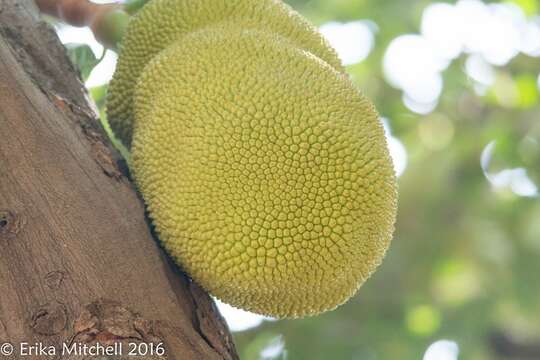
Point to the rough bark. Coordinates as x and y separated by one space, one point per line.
78 262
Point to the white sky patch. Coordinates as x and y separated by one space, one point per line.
353 41
442 350
515 179
79 35
492 34
413 65
437 19
497 31
419 107
479 70
274 349
240 320
530 37
398 153
490 30
103 72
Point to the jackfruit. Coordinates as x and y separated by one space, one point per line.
265 171
163 22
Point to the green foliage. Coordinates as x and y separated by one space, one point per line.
132 6
98 94
83 58
464 261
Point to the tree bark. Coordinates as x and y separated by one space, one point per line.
78 262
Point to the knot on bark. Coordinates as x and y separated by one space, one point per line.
54 279
10 223
107 321
49 319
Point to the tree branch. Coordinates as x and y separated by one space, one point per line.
77 260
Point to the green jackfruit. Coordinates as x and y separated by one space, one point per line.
265 171
163 22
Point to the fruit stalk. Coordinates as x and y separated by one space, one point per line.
107 21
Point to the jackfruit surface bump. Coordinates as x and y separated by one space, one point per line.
162 22
265 171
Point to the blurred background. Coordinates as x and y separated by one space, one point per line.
457 86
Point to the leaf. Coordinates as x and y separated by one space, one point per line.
132 6
98 94
82 56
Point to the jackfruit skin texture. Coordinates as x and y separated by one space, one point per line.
265 171
162 22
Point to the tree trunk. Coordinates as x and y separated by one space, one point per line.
78 262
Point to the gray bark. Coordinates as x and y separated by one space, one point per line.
78 262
